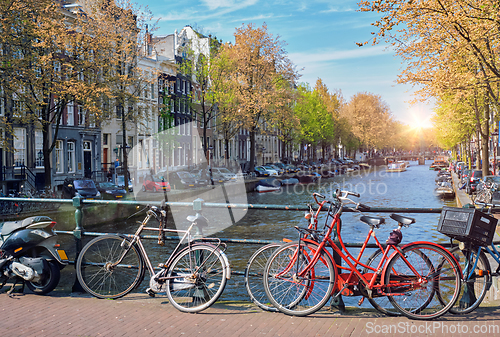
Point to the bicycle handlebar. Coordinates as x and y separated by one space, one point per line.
318 195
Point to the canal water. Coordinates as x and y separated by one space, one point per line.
413 188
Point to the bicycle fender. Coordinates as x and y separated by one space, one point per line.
416 243
446 250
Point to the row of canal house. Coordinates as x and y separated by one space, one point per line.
84 149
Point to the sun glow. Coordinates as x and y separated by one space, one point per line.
420 119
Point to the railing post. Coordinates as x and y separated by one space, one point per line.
197 207
78 233
199 292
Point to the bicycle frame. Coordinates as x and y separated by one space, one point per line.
136 240
354 277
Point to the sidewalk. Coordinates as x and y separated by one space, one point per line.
67 314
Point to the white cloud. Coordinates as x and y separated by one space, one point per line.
309 56
231 4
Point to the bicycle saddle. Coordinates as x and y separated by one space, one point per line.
372 220
404 220
199 219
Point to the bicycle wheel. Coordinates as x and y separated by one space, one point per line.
197 277
483 197
298 295
381 303
476 280
98 272
254 273
437 273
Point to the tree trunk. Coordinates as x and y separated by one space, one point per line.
226 156
485 136
252 151
124 152
46 156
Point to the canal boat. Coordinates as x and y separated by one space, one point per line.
445 190
268 185
396 167
263 189
439 163
290 181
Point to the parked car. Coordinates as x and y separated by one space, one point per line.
152 183
261 171
120 182
225 173
459 167
183 180
204 178
282 167
292 168
110 191
273 167
82 187
472 180
464 173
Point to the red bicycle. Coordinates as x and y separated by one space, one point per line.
421 279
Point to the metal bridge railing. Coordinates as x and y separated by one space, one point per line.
197 205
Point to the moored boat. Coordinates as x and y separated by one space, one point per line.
445 191
396 167
263 189
290 181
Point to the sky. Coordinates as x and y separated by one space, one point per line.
321 38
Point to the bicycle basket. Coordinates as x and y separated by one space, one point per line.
467 225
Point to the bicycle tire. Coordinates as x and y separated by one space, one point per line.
288 293
193 289
254 273
483 197
96 274
442 277
381 303
475 285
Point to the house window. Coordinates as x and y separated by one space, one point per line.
19 146
71 157
152 91
81 115
59 156
70 114
39 149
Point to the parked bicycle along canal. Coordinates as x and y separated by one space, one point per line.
413 188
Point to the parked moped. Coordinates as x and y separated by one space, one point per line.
29 252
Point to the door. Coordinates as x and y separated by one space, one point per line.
87 159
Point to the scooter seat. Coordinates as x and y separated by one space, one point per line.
10 226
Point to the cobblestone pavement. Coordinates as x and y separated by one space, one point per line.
65 314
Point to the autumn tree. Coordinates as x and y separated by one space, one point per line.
259 66
123 28
50 64
199 65
55 55
369 118
447 45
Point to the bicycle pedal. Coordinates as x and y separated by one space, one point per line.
361 301
150 292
